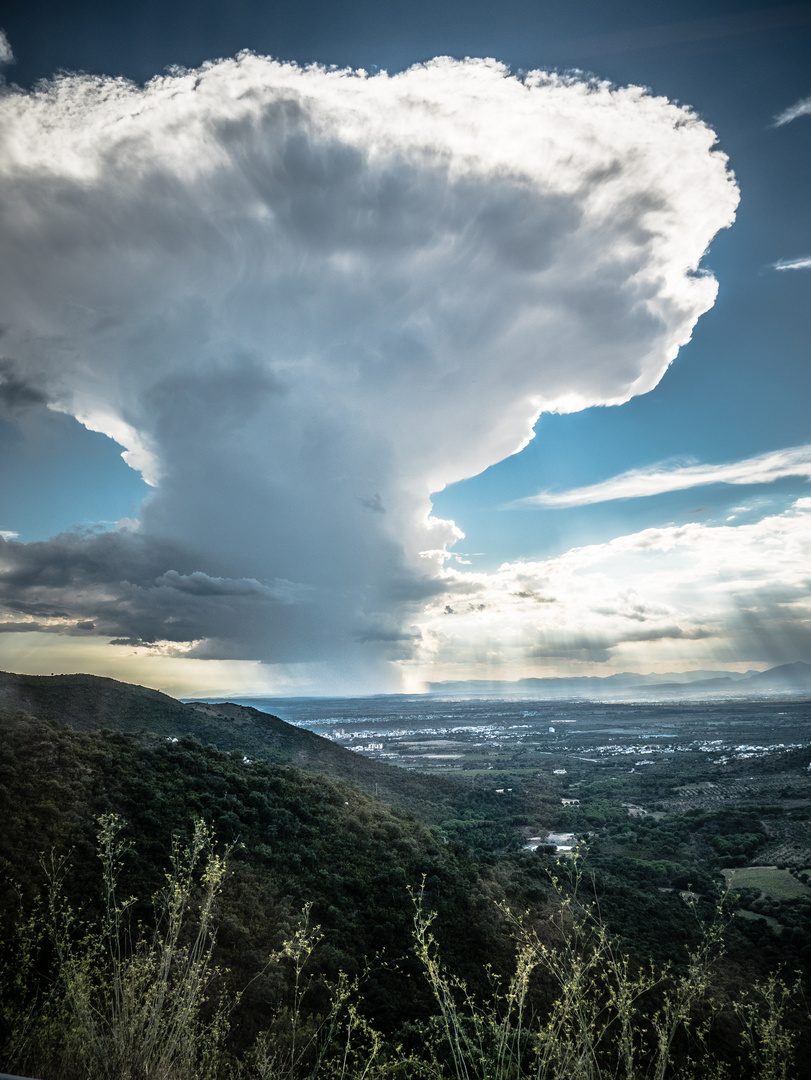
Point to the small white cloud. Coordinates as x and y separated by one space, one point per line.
637 483
803 263
799 108
8 535
6 55
127 524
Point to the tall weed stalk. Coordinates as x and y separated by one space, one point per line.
135 1001
601 1015
21 996
335 1045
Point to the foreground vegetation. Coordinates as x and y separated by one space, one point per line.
112 997
326 933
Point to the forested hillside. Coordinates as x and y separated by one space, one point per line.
89 703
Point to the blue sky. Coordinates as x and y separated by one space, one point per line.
278 548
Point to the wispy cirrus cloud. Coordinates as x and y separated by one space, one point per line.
799 108
803 263
6 55
657 480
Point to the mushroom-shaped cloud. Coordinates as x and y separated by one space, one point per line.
302 299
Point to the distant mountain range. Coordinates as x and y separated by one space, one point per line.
786 679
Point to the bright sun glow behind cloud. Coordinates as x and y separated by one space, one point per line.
690 596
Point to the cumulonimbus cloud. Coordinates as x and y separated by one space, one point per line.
638 483
302 299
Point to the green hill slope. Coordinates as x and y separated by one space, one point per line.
90 702
296 838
